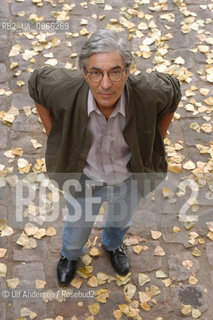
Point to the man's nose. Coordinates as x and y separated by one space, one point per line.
106 83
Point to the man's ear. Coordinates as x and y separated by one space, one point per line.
84 74
127 73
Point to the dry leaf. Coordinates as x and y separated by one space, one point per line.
2 252
160 274
94 252
144 296
102 295
209 100
7 232
167 282
50 232
117 314
179 60
36 144
17 152
193 280
25 312
210 235
130 290
93 282
189 165
94 308
51 62
83 22
104 278
40 233
85 272
76 282
176 229
121 280
135 239
159 251
196 252
40 284
174 167
124 308
137 249
84 32
143 279
23 165
187 264
30 229
204 91
3 270
196 313
155 234
86 259
14 65
186 309
20 83
145 306
27 243
167 193
206 127
15 50
12 283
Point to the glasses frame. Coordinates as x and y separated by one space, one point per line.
102 73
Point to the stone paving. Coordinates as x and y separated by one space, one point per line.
185 250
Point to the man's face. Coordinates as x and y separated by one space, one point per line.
106 92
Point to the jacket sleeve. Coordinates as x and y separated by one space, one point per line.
169 94
39 86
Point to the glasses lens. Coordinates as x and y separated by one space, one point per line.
115 75
95 76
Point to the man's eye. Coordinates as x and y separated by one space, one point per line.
95 73
116 72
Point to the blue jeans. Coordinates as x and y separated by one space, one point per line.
82 211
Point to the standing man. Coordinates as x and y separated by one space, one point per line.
107 127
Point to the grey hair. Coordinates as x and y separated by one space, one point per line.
105 41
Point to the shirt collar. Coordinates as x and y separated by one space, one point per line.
120 107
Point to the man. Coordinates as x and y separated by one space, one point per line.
108 126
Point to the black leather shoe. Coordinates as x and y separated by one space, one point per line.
120 260
65 271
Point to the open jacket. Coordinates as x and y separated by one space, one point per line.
150 96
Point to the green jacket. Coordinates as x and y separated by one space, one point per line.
150 96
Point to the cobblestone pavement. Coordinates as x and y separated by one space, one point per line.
168 36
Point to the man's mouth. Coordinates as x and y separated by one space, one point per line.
106 95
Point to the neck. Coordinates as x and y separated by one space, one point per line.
107 111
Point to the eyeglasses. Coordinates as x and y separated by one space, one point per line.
97 76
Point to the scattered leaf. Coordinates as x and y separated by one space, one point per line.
130 290
12 283
3 270
160 274
186 309
76 282
86 259
40 284
50 232
93 282
156 234
143 279
2 252
94 252
137 249
196 313
159 251
94 308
